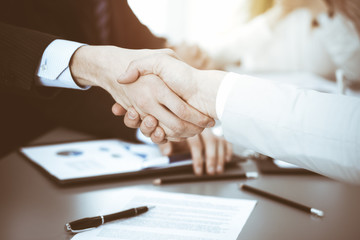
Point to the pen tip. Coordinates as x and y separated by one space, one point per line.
150 207
157 181
252 175
317 212
241 185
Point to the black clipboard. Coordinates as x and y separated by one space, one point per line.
267 166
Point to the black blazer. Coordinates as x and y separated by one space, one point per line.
42 21
26 29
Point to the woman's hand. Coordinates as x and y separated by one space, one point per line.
207 150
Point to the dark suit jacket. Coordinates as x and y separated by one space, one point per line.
26 29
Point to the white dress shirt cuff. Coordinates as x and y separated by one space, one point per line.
223 92
54 68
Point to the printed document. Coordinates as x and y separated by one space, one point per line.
96 158
176 216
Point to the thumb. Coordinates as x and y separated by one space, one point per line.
136 69
129 76
148 65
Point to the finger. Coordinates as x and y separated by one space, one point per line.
118 110
196 149
184 111
174 127
148 125
167 130
210 144
132 118
166 148
221 151
158 136
229 151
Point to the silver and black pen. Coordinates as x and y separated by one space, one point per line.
282 200
93 222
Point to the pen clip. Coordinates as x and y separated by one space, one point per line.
69 229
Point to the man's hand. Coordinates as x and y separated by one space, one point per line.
103 66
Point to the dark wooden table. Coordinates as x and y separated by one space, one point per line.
33 207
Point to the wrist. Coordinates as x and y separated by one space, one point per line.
79 64
208 83
98 65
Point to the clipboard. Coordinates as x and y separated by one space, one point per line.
270 166
105 159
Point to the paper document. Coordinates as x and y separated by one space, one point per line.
176 216
96 158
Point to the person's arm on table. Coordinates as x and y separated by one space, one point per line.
207 150
317 131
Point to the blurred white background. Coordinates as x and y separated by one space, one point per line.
193 21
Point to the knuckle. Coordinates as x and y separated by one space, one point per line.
151 78
147 134
210 156
169 51
210 141
143 102
198 162
197 146
132 63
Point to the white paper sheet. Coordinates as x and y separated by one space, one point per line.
95 158
175 216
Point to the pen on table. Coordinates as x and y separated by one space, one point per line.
247 175
299 206
93 222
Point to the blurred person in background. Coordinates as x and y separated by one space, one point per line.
317 36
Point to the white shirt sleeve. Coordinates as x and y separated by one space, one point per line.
54 68
313 130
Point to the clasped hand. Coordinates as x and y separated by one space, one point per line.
143 84
104 65
198 89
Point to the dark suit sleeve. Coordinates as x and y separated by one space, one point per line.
20 54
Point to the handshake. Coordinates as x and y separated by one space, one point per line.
158 93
